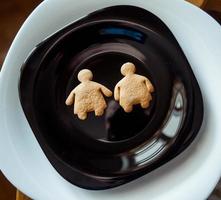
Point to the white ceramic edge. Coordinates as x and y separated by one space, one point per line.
22 149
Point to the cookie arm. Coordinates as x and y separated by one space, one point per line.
149 85
105 91
70 100
117 92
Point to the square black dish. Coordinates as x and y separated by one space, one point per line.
105 152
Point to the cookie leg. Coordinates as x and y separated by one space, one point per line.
82 115
144 104
127 107
99 111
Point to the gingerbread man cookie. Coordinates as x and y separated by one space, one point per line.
133 89
88 96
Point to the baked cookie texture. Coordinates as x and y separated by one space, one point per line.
133 89
88 96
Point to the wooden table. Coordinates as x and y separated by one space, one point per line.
211 5
21 196
199 3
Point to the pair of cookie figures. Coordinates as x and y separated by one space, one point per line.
131 90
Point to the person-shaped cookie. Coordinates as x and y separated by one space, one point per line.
88 96
133 89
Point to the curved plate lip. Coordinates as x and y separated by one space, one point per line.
29 159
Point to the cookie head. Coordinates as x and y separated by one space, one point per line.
85 75
128 68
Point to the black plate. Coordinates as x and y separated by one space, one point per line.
108 151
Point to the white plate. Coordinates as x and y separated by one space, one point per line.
192 175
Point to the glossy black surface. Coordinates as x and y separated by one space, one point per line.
108 151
